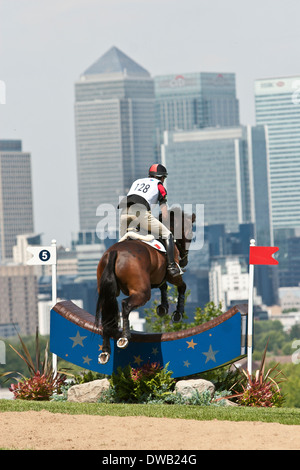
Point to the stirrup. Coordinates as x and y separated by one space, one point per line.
174 270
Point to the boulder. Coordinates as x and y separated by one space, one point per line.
186 388
89 392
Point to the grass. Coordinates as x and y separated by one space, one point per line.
231 413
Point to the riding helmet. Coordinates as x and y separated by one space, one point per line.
157 171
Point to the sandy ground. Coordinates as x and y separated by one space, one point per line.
48 431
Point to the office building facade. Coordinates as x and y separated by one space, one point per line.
277 105
196 100
226 170
18 300
115 131
16 206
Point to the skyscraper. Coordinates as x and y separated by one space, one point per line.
277 105
226 169
16 208
196 100
115 131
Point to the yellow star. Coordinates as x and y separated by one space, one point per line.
191 344
138 360
100 347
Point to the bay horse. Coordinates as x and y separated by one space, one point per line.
134 268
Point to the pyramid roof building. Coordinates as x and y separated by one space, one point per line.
115 61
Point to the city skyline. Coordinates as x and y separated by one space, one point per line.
43 56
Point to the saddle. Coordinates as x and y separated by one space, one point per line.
149 239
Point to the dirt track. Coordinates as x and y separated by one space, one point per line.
48 431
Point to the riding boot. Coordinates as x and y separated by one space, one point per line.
172 267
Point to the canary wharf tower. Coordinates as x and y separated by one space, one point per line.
114 125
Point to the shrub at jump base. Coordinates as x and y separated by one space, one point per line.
261 389
43 382
37 387
136 385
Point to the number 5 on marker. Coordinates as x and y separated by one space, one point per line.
42 255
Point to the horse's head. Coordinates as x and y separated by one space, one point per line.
181 225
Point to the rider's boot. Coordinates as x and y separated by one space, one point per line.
172 267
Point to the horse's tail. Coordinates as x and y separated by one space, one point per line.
107 304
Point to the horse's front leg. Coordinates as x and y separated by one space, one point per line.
178 313
163 308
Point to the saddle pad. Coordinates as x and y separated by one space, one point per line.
149 239
156 244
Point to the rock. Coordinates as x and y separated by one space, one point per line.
230 403
89 392
186 388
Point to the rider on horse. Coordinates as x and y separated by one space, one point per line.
144 193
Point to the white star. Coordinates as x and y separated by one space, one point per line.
210 354
77 339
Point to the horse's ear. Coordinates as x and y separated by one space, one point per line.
193 217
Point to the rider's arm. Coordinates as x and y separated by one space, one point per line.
162 198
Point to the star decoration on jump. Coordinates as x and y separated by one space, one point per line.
138 360
191 344
77 339
86 360
210 354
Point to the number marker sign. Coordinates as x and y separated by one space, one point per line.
42 255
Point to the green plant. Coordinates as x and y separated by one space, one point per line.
223 378
261 389
43 382
158 324
141 384
87 376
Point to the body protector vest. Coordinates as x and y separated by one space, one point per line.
147 189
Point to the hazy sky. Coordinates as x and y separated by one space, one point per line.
46 44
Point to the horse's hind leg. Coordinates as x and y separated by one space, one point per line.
133 301
104 356
110 329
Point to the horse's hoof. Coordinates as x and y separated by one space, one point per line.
103 358
176 316
161 311
122 343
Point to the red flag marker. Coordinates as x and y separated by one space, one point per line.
257 255
262 255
